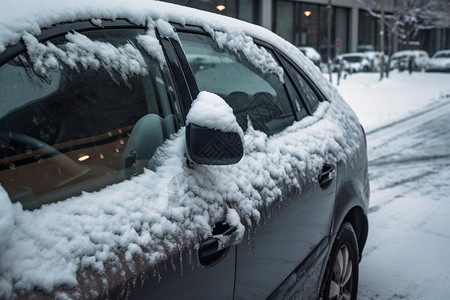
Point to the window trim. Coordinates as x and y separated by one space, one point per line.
193 83
305 77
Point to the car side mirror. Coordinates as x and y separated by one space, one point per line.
213 136
208 146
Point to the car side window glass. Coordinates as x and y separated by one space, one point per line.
305 90
296 99
81 128
253 95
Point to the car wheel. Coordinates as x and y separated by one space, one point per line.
341 274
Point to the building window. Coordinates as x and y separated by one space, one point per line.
305 24
285 20
368 29
241 9
341 30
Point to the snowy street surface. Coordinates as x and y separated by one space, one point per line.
407 117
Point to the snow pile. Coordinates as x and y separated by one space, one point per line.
240 43
211 111
6 220
150 42
149 216
80 50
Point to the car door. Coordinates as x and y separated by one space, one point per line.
74 125
286 246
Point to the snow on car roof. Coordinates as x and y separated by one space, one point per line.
147 215
21 17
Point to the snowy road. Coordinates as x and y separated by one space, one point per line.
407 255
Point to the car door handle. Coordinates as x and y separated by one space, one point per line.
215 248
327 176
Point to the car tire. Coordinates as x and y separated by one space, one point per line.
341 274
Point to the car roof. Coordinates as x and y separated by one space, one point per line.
354 54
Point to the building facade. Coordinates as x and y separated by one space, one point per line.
305 23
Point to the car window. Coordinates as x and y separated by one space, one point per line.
252 94
80 127
305 90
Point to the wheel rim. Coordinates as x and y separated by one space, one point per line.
341 281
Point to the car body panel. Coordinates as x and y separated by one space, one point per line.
400 59
439 62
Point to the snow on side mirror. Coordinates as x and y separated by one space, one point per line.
213 136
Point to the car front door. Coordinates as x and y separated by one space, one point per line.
286 242
68 127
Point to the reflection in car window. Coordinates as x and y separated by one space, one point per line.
252 95
79 129
305 90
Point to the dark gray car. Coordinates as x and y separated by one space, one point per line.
158 152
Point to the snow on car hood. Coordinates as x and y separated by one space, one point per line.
160 212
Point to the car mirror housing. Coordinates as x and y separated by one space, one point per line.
208 146
213 136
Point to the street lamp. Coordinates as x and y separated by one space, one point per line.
221 6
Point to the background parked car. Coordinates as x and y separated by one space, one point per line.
365 48
141 158
439 62
313 55
353 62
375 59
400 60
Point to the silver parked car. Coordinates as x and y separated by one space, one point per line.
401 60
313 55
153 151
353 62
439 62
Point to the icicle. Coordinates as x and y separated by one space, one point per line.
253 240
173 263
158 274
190 257
142 277
181 263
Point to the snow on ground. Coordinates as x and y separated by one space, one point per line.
406 117
380 102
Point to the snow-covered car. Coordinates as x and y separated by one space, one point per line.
312 54
418 58
154 151
354 62
375 59
440 61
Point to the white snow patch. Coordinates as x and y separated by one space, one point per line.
97 22
240 43
6 220
126 60
211 111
